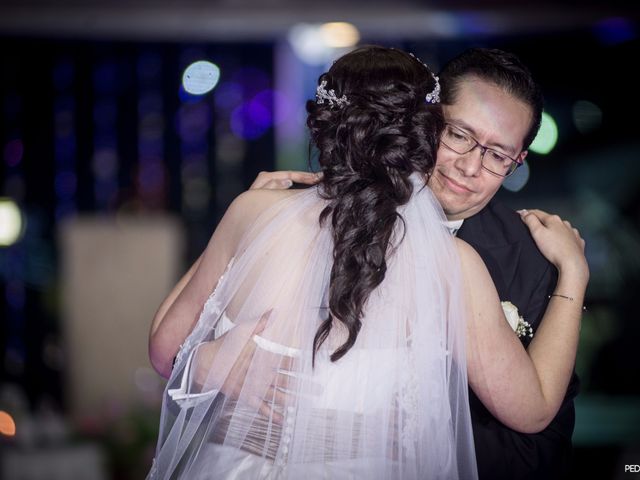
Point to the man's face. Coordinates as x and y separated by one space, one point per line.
495 119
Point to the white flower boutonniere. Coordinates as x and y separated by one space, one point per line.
517 323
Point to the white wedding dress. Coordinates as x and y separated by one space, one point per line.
244 400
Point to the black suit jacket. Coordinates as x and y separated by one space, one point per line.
525 278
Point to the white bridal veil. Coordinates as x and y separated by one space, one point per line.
243 400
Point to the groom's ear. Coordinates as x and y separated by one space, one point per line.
523 155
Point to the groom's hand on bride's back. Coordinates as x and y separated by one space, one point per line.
281 180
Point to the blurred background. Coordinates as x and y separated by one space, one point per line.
127 127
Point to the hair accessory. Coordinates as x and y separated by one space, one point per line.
434 95
322 94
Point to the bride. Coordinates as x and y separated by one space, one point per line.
333 332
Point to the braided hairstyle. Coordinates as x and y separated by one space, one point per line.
368 148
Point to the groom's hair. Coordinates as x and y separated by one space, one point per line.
501 68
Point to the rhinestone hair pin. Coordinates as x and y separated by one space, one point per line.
434 95
322 94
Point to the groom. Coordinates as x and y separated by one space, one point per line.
490 100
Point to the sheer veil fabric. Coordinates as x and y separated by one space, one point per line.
243 400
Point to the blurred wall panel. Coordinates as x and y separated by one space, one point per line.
115 273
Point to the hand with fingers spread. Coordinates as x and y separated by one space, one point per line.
281 180
558 241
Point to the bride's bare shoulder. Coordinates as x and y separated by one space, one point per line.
250 204
473 268
261 195
469 258
260 199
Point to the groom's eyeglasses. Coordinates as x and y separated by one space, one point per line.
493 161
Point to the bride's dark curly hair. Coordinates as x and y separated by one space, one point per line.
368 148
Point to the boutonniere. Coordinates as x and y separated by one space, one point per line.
519 325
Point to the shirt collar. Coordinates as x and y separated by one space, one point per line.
453 225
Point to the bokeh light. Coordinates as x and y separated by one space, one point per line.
250 120
7 425
200 77
614 30
587 116
518 179
229 95
308 43
339 34
11 225
547 135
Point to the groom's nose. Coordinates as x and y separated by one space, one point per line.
470 163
